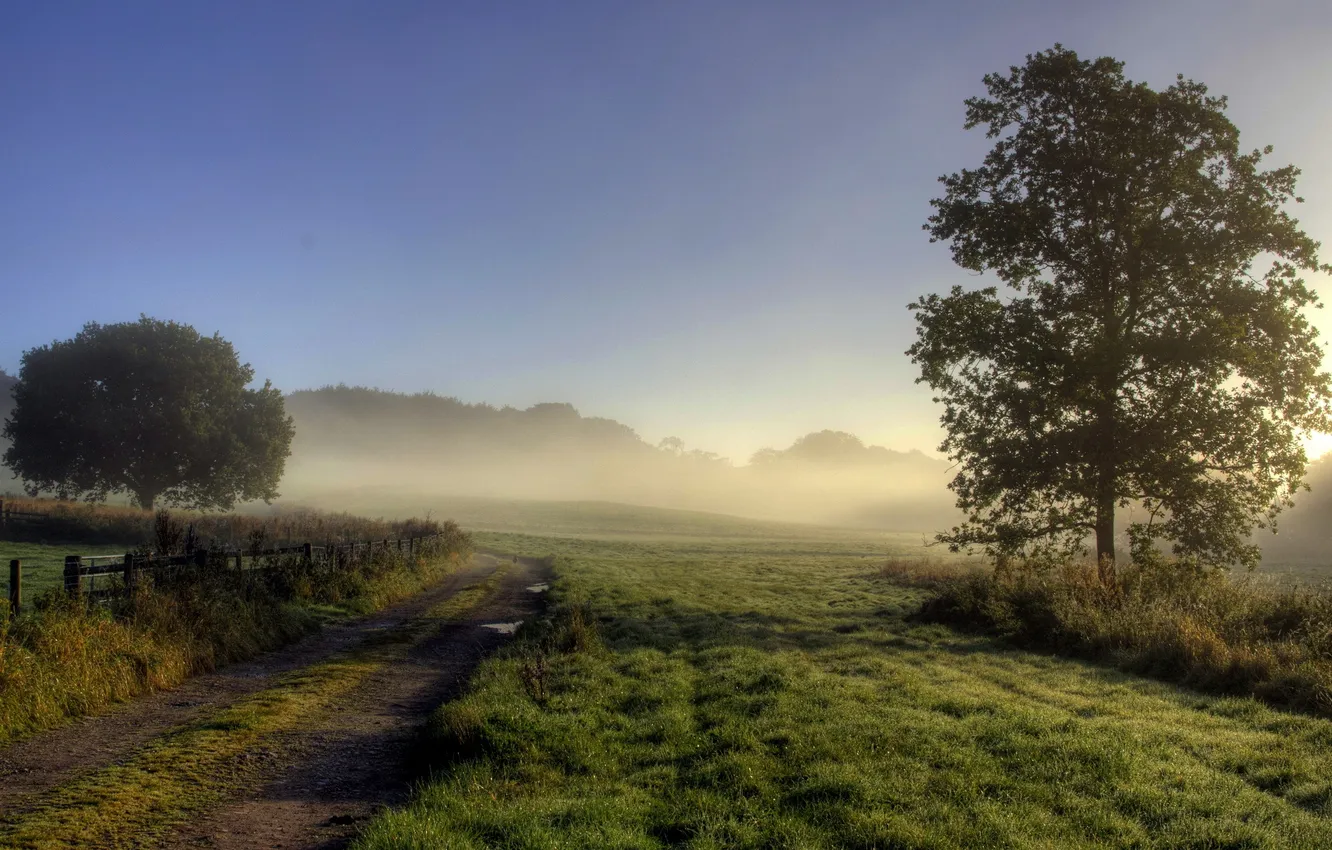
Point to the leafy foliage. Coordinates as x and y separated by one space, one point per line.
1154 354
149 408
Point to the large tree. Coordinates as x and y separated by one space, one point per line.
149 408
1151 349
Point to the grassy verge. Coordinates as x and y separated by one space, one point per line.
70 658
192 769
1244 635
725 699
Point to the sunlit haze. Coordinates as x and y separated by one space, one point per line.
700 219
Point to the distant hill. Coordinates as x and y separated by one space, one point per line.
359 438
838 449
379 422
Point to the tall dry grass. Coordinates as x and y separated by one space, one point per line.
925 571
1208 629
81 522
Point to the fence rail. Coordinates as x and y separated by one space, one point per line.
81 572
10 515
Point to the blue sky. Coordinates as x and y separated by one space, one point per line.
699 218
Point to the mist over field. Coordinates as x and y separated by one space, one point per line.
352 443
392 453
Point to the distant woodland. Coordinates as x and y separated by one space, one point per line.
354 437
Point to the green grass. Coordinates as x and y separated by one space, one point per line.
44 563
750 693
1240 635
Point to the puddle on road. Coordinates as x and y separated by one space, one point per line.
538 588
504 628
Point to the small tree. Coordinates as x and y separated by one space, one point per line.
149 408
1154 352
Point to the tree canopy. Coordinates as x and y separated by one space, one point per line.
1151 351
149 408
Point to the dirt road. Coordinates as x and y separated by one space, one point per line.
310 786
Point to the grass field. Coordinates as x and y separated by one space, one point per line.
758 692
592 520
44 563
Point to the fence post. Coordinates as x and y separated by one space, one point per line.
74 574
308 553
201 557
15 587
2 512
131 576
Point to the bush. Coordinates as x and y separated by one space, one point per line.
1171 619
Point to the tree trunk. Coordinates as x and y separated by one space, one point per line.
1105 534
146 496
1106 490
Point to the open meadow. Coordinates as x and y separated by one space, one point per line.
746 691
704 681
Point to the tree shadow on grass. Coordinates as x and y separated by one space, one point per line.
697 629
908 640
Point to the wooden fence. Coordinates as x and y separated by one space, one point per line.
10 516
82 572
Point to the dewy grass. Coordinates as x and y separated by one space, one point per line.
732 699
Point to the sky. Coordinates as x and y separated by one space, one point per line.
699 217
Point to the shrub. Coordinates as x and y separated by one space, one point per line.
1170 619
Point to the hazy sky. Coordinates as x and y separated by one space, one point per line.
699 218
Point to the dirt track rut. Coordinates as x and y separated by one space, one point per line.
344 766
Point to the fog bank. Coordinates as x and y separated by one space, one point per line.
354 439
